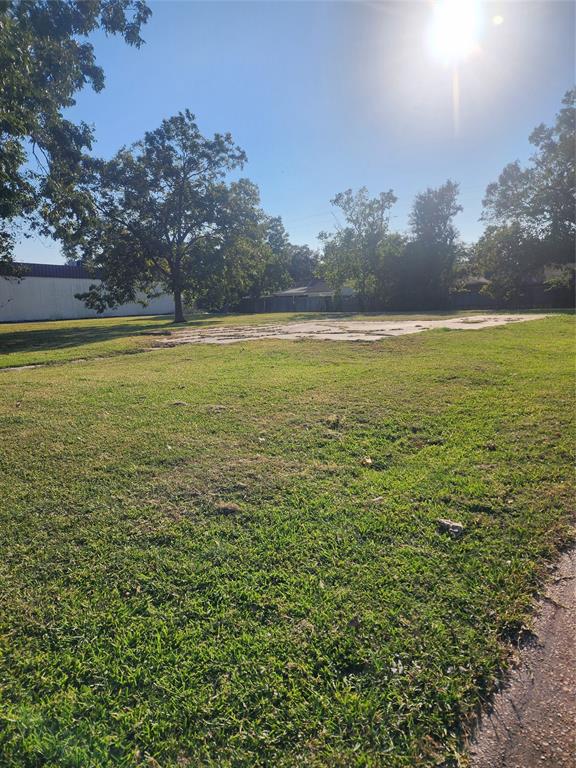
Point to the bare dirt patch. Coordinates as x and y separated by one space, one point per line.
532 721
336 330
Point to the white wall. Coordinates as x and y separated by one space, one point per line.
52 298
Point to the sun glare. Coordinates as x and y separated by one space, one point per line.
455 29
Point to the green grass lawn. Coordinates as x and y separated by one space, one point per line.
200 568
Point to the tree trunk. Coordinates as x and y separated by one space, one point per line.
177 290
178 309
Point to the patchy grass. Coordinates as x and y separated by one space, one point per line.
200 568
64 340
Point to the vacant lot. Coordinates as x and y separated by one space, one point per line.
228 555
60 341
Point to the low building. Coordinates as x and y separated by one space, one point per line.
316 296
48 292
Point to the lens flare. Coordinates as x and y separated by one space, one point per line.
454 36
455 30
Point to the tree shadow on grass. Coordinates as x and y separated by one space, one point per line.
55 337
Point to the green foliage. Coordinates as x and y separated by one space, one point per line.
159 216
275 276
532 212
44 61
303 264
289 264
532 227
234 258
428 266
325 622
541 197
507 254
390 270
433 212
351 254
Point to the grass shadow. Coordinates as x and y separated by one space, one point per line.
64 336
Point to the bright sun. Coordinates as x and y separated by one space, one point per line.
455 29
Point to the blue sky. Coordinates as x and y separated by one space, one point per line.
326 96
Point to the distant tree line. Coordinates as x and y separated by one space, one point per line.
530 234
161 214
390 269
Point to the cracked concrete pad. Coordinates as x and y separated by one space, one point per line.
335 330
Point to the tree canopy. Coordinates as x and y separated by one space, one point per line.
541 197
433 248
162 215
391 269
44 60
529 240
531 213
351 254
159 214
289 264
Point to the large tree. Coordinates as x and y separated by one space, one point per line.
303 263
160 216
236 259
531 216
428 264
44 60
541 197
389 269
507 254
351 254
275 275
